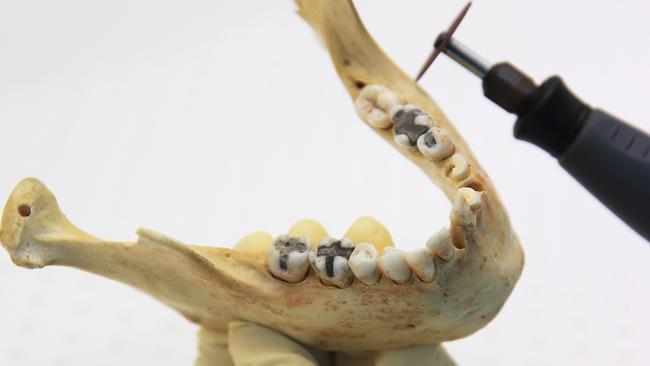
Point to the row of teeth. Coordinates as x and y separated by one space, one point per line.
338 262
413 128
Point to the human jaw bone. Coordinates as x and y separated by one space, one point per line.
214 286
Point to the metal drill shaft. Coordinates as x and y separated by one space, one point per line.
463 55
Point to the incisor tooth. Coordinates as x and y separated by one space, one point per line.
374 103
288 258
439 244
436 144
421 264
393 265
330 261
363 263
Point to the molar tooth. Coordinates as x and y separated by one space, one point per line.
363 263
435 144
288 258
460 168
421 264
410 122
393 265
330 261
374 103
440 244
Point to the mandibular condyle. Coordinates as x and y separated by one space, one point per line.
338 293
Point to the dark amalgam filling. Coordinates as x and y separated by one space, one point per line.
330 253
429 139
286 247
404 124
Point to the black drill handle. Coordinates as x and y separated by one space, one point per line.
612 160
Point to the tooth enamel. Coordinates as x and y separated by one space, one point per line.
363 263
466 203
439 244
460 168
409 123
330 261
393 265
374 103
421 264
435 144
288 258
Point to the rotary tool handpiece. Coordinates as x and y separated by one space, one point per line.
609 157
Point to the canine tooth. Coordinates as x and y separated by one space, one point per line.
409 123
363 263
288 258
467 203
421 264
435 144
393 265
374 103
440 244
460 168
330 261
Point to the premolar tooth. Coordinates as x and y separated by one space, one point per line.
464 212
330 261
394 266
363 263
421 264
288 258
374 103
410 122
460 168
439 244
436 144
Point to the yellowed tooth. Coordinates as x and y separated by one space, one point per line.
363 263
393 265
436 144
460 168
310 228
330 261
421 264
255 243
439 244
288 258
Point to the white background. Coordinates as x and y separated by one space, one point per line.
207 120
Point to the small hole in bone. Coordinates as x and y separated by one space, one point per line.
359 84
478 187
24 210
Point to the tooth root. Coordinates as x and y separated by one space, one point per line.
288 258
421 263
460 168
436 144
363 263
330 261
439 244
464 211
374 104
394 266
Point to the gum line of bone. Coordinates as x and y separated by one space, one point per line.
413 129
289 259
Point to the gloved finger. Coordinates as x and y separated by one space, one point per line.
368 230
254 243
310 228
213 348
427 355
255 345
